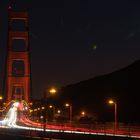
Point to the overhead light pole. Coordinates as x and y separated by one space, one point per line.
52 91
70 113
1 98
115 113
53 107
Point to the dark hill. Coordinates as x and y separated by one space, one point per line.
123 85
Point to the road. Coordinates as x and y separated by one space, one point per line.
11 121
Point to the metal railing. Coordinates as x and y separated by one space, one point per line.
124 130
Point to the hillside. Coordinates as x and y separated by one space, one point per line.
123 85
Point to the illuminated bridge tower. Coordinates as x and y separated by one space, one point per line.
18 60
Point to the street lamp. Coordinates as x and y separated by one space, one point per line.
52 107
115 113
1 97
58 111
42 107
70 107
52 91
83 113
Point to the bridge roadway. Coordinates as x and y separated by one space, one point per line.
28 127
15 134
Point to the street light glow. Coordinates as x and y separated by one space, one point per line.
111 102
52 91
50 106
42 107
58 111
83 113
31 103
1 97
67 105
31 110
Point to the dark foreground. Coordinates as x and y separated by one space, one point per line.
61 136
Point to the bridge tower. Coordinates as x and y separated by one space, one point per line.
18 59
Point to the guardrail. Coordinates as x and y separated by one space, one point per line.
107 129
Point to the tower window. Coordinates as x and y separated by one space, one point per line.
18 25
18 68
18 45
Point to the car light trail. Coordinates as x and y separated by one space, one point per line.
10 121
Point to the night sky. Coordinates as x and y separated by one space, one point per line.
72 41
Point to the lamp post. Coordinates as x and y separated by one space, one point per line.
115 113
52 91
52 107
70 107
1 98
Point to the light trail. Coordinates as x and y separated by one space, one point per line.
11 116
10 121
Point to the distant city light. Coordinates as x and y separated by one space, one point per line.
35 109
58 111
42 107
50 106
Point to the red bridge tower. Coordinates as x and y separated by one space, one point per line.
18 60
